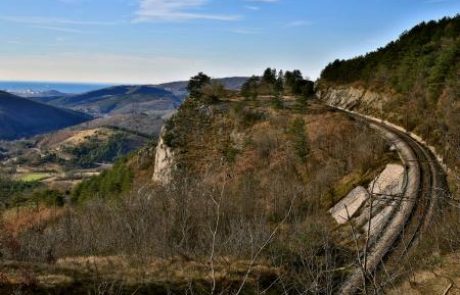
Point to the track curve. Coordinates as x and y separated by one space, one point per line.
426 181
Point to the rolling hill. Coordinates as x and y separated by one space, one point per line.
126 99
120 100
21 117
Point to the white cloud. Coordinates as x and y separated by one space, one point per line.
177 10
59 29
52 21
297 23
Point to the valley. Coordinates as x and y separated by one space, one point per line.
118 120
62 159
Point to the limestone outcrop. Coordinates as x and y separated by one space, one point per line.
386 189
353 98
164 162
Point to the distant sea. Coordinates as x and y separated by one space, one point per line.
45 86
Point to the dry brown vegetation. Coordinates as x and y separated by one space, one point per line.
244 214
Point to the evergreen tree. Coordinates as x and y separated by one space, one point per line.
279 84
300 139
269 76
249 90
196 84
294 81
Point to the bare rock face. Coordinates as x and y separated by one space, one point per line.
342 97
386 189
164 162
390 183
379 221
353 98
349 205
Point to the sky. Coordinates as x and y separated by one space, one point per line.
152 41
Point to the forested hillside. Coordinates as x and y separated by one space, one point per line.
21 117
413 81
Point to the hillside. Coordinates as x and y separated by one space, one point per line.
63 159
247 178
21 117
120 100
413 82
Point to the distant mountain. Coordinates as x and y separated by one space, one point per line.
30 93
22 117
41 96
126 99
179 88
120 100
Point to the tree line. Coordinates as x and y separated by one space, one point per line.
272 82
278 83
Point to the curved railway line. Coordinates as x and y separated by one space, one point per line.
415 209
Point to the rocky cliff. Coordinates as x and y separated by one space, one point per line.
354 98
374 106
164 162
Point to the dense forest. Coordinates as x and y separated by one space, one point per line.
420 72
427 55
278 84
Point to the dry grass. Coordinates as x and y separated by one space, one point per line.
72 137
435 281
80 137
131 272
18 220
161 270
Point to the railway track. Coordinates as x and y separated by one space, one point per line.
426 182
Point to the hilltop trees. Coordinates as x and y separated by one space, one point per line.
250 89
272 83
293 81
212 92
197 83
278 84
205 90
269 76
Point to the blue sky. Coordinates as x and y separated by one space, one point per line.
150 41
